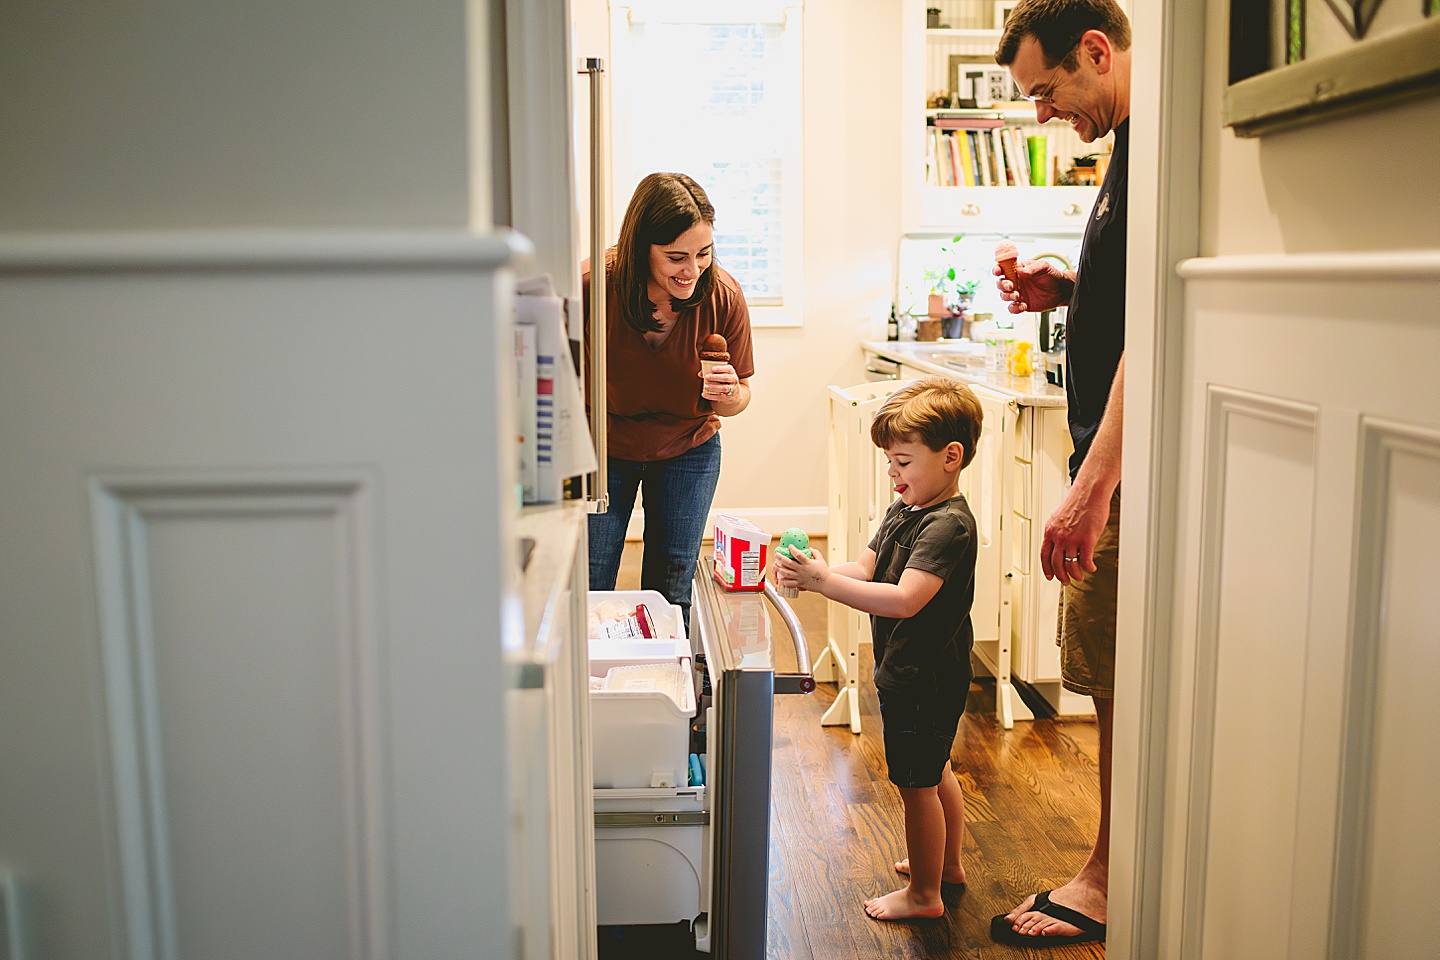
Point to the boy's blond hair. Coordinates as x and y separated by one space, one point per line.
935 411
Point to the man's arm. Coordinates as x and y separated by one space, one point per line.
1076 524
1040 285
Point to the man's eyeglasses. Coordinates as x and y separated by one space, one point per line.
1047 93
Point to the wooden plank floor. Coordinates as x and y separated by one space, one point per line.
1032 804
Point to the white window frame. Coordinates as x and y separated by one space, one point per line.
788 312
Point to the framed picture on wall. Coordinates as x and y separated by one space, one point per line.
1297 62
1002 12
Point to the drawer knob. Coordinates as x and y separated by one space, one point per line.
1072 210
970 210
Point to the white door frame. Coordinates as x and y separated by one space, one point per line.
1166 102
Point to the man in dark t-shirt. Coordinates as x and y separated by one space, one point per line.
1072 59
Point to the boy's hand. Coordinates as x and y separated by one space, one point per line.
806 572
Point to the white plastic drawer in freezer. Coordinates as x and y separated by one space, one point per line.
649 855
641 737
608 653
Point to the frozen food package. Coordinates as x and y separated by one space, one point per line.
612 621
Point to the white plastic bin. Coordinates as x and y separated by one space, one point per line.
641 738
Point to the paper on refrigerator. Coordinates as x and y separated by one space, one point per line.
562 438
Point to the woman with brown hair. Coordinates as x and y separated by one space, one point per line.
665 297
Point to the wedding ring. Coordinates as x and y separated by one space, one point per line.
1072 559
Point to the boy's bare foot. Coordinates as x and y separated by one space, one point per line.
955 874
901 906
1078 895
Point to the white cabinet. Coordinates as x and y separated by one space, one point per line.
260 574
1007 209
929 58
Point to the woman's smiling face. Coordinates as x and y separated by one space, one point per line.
675 266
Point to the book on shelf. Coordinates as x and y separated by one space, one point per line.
987 161
989 157
968 120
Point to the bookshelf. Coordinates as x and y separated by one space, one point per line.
936 198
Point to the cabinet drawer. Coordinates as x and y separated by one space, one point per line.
1021 549
1001 208
1021 497
1024 434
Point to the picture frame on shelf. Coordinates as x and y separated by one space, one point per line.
1002 12
975 80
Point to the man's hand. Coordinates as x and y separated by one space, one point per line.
1068 550
1040 285
806 572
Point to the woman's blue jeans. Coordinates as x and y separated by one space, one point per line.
676 496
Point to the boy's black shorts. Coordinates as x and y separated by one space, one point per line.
919 731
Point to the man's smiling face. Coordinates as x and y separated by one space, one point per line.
1079 96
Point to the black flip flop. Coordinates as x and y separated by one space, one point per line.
1091 931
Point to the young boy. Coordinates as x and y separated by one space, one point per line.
916 579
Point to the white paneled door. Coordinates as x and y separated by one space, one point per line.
1305 616
253 563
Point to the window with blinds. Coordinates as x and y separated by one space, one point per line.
715 93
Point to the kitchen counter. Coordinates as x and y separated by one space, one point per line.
965 361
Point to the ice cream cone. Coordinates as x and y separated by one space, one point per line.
1007 256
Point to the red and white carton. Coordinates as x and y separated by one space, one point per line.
742 554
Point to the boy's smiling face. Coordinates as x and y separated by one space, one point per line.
921 476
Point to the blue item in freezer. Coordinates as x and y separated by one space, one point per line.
697 771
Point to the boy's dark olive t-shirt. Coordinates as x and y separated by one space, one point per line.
928 653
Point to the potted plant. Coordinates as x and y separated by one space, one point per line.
950 294
947 290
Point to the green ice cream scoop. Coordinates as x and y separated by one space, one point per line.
794 537
790 541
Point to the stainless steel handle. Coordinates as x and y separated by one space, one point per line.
803 680
599 404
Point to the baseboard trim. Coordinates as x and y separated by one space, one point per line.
815 521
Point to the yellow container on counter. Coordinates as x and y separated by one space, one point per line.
1019 361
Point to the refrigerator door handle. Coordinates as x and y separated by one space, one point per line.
803 680
599 481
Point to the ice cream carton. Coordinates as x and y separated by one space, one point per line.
742 554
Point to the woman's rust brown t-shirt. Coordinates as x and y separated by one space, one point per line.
656 411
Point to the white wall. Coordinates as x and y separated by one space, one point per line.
173 113
1360 183
774 461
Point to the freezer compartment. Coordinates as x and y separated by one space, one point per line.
642 700
650 860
